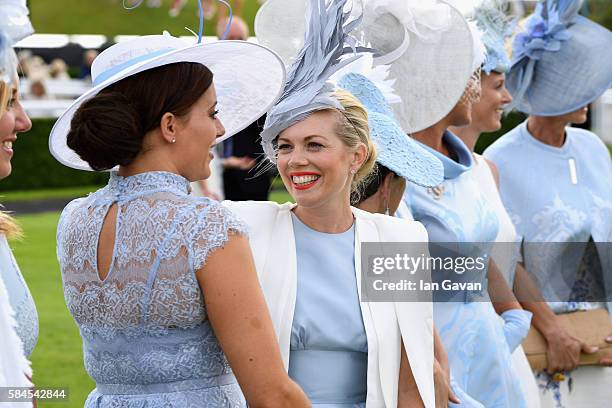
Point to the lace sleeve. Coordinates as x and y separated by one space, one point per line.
214 225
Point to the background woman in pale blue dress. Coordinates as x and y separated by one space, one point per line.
160 283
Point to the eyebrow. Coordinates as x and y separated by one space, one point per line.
307 138
213 105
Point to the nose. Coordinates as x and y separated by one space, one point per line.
22 121
297 158
220 128
507 98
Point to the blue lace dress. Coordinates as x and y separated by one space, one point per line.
147 341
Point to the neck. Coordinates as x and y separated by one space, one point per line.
146 162
548 130
468 134
372 205
432 137
330 218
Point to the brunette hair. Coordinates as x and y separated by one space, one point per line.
108 130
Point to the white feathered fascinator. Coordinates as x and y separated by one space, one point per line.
328 47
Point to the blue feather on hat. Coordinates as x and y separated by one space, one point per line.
327 46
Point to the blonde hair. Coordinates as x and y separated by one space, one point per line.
353 129
9 227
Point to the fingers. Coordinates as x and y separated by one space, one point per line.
588 349
452 397
606 361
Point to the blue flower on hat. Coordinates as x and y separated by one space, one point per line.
546 30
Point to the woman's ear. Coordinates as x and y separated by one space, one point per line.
360 156
168 126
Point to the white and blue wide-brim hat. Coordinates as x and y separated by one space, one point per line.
561 63
396 151
248 79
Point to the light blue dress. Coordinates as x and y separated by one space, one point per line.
329 351
561 196
147 340
470 330
19 297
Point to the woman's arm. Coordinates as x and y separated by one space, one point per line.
563 351
444 392
407 391
239 316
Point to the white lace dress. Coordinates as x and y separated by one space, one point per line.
147 341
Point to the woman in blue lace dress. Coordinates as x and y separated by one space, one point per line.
162 284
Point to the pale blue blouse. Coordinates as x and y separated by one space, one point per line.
329 352
19 297
147 339
471 331
558 200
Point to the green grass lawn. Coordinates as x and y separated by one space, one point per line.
108 17
58 358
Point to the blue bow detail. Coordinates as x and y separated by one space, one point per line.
543 34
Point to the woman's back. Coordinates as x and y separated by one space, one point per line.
144 325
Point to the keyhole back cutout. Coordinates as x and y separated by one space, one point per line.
106 242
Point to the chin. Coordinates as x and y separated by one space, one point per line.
5 169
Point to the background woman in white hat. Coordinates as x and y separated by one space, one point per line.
160 283
433 75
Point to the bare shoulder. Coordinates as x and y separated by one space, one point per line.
494 171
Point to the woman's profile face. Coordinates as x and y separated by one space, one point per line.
13 121
198 131
313 162
487 113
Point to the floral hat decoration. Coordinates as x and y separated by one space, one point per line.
561 62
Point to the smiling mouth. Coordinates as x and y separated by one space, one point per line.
304 181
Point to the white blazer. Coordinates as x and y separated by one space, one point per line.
272 241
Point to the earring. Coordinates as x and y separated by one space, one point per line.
173 140
353 171
386 207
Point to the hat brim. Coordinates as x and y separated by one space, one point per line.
430 77
248 79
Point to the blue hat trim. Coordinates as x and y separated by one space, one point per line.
396 150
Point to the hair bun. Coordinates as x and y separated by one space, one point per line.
106 132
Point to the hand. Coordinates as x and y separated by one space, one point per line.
607 361
444 392
241 163
516 326
563 352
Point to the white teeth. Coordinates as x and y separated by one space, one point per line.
304 179
7 144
